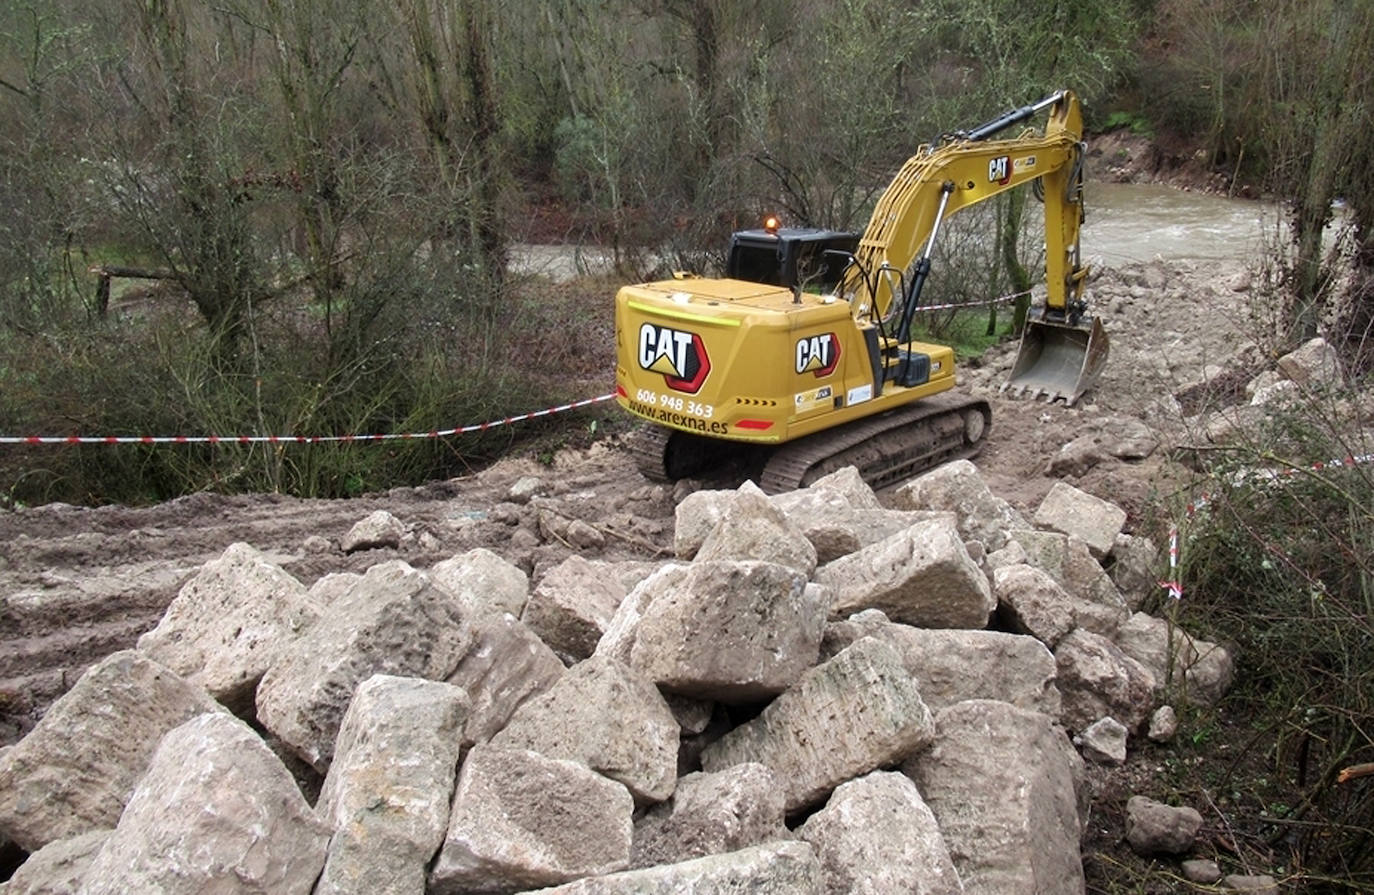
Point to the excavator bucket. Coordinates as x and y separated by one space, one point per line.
1058 360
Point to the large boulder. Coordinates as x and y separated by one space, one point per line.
1313 363
57 868
876 836
853 714
1031 602
387 793
521 819
921 576
571 606
229 623
1070 511
1003 784
216 812
711 814
959 488
697 516
608 717
1199 671
394 621
505 666
752 528
1098 680
731 631
77 768
1069 562
483 582
951 666
775 868
1134 568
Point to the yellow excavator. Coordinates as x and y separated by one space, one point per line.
805 345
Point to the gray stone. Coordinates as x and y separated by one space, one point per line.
1122 438
1096 679
752 528
777 868
505 666
1073 512
1134 568
951 666
856 713
692 715
1003 784
618 639
77 768
521 819
217 811
1033 603
1104 742
1009 555
572 605
1163 725
1313 363
607 716
1262 381
847 484
393 621
387 793
711 814
1284 392
1153 828
1259 884
379 529
229 623
876 836
483 582
727 631
959 488
1200 672
921 576
330 587
57 868
585 536
695 517
1198 870
526 488
1069 562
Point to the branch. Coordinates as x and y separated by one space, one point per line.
19 90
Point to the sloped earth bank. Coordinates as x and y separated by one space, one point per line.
80 584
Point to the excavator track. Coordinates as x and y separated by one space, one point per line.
886 448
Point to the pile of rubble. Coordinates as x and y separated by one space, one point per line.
821 694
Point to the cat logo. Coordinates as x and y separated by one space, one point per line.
999 170
680 356
818 354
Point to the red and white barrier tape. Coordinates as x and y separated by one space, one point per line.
292 439
973 304
1174 585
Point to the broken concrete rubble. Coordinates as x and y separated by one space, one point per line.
75 771
393 621
876 835
726 631
711 814
921 576
1003 784
229 623
857 712
608 717
386 797
216 811
521 819
571 606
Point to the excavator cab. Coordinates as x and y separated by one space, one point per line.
804 257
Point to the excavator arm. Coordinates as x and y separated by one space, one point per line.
967 169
